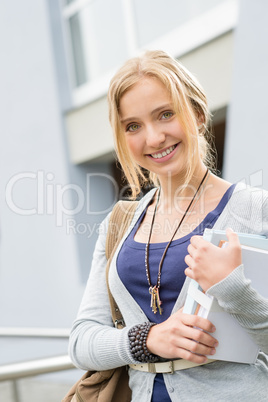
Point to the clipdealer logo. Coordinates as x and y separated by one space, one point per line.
66 202
50 198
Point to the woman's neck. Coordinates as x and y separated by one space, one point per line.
174 188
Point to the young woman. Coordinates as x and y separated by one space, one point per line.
160 119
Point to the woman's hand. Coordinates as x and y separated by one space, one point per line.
209 264
177 337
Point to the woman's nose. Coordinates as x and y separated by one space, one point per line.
154 137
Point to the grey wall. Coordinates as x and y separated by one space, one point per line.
247 129
40 260
36 254
94 179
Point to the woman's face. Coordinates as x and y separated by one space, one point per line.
154 135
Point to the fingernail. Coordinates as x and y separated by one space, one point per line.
213 351
213 329
216 344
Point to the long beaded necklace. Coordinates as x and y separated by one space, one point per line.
154 290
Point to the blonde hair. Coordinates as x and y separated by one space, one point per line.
189 102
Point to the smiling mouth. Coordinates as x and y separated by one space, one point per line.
159 155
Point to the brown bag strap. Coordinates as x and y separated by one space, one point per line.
120 220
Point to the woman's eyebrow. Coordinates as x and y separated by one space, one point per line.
128 119
166 106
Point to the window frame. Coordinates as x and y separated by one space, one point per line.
218 21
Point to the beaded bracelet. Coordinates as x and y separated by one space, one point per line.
137 338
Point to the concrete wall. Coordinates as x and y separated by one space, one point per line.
212 64
41 275
247 132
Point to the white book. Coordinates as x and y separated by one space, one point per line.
234 342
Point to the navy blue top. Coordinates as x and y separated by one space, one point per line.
131 270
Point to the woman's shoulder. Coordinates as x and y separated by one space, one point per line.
242 191
124 212
249 194
139 204
247 209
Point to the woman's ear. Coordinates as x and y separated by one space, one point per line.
200 123
201 127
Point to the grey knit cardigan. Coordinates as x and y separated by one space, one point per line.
95 344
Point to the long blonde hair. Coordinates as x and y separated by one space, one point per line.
189 102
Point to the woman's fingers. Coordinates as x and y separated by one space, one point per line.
197 340
187 355
191 249
197 241
200 336
196 347
209 264
191 350
183 335
196 321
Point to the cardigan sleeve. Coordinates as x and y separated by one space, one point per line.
94 342
236 296
235 293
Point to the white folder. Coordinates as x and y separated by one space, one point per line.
234 342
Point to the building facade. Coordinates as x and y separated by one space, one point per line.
59 176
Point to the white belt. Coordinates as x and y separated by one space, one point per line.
167 367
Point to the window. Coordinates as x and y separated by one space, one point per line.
98 39
81 75
102 34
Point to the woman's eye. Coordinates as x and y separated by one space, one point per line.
167 115
132 127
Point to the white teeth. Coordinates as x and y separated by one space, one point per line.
164 153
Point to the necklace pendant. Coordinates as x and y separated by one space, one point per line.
158 301
153 297
155 300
